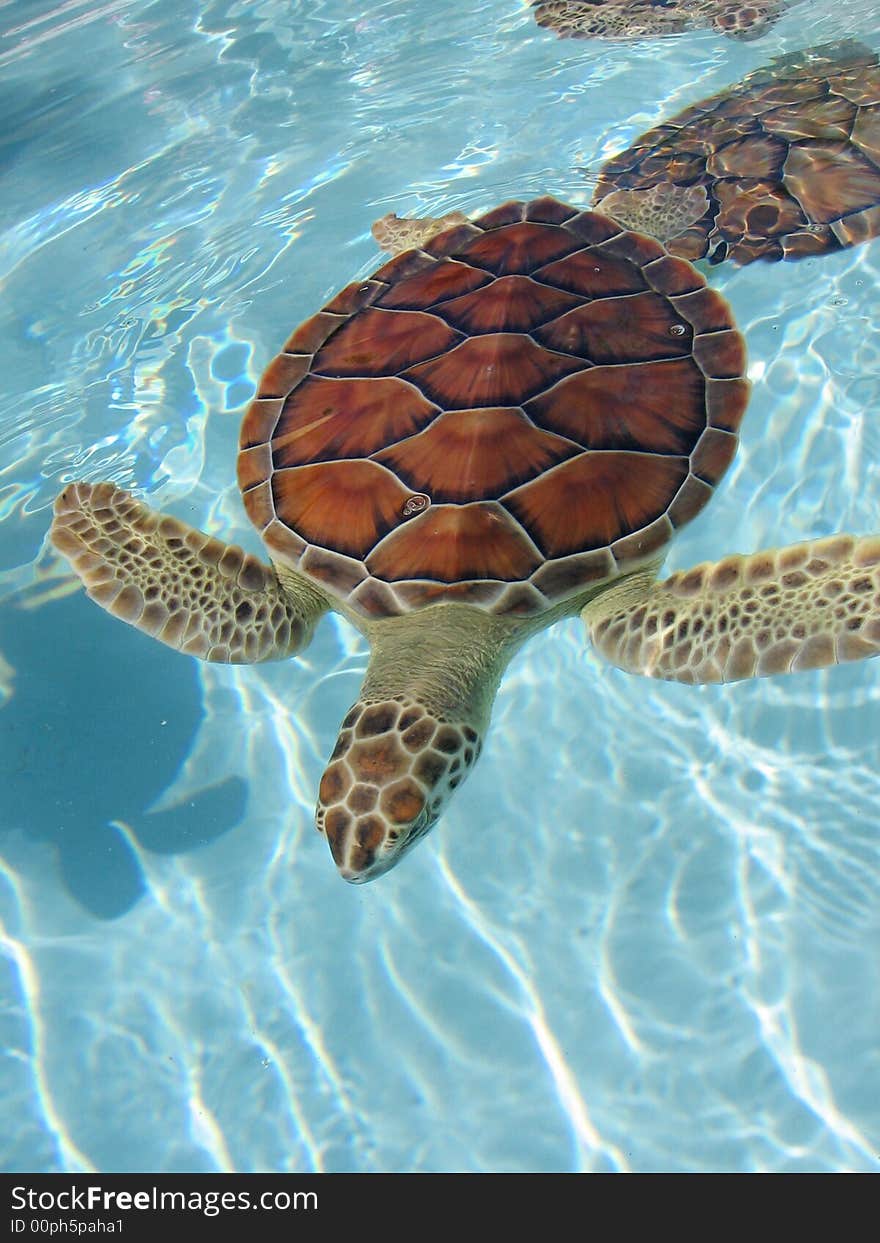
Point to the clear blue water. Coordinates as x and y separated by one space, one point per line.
645 935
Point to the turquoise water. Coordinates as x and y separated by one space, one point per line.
645 935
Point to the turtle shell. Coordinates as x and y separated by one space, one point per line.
640 19
531 403
789 159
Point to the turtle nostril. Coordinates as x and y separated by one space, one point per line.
353 876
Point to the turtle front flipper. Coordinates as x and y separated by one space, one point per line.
804 607
665 211
185 588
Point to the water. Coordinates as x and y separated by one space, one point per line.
643 936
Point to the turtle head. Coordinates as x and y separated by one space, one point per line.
394 766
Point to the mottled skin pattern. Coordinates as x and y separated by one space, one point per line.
788 158
804 607
647 19
396 233
393 767
192 592
664 211
437 660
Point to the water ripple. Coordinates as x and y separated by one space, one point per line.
621 948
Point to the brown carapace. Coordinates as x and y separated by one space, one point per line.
789 160
649 19
523 406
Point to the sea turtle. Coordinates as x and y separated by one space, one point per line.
498 430
645 19
784 164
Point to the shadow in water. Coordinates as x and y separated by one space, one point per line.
96 729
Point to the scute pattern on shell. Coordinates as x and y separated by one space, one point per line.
526 405
641 19
804 607
789 159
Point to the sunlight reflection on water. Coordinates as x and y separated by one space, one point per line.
624 945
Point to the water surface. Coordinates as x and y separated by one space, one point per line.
643 937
